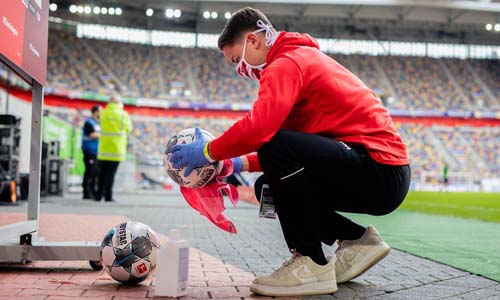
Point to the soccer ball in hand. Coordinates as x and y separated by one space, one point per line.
199 176
128 252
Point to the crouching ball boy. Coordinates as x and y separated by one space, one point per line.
325 144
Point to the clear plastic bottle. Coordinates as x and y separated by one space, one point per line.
172 266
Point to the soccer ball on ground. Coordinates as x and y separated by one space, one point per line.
199 176
128 252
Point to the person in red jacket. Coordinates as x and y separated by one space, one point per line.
325 144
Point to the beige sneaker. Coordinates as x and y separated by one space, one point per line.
357 256
299 276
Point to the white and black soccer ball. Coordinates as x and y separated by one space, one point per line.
128 252
199 176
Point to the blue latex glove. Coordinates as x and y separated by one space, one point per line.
190 155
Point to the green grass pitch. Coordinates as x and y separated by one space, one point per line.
480 206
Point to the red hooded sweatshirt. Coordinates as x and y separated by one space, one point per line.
303 89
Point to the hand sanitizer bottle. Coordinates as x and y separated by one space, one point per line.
172 266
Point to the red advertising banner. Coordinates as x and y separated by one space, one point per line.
24 28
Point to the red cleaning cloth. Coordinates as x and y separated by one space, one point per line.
208 199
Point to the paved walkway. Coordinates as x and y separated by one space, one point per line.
470 245
222 266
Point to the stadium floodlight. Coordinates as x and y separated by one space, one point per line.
72 8
104 10
227 15
206 14
53 7
214 15
118 11
111 11
96 10
87 10
79 9
169 13
489 27
497 27
177 13
149 12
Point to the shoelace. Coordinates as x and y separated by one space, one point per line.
295 256
339 248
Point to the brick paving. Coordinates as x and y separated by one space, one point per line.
222 266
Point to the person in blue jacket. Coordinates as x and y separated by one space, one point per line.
90 142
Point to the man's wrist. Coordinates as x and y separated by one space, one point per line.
237 164
206 152
245 165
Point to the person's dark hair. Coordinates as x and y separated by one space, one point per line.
95 109
242 20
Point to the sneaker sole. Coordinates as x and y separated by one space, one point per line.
315 288
367 265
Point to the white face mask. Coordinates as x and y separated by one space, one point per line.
247 70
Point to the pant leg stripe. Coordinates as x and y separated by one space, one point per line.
289 175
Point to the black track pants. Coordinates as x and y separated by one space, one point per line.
107 172
312 178
90 175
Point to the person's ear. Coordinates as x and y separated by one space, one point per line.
253 40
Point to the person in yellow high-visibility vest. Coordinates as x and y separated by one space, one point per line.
115 125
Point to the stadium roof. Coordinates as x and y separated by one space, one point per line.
411 20
475 5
